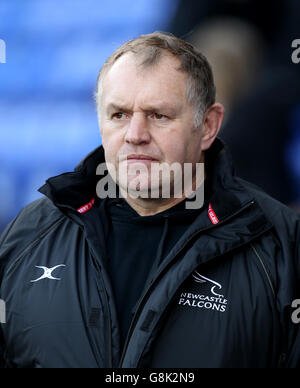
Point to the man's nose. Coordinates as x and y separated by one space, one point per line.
138 131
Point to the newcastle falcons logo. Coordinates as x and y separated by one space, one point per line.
201 301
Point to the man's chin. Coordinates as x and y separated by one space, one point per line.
140 191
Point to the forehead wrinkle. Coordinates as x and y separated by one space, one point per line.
146 107
161 106
141 91
129 61
116 106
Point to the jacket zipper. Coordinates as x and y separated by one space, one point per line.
264 269
145 295
109 325
98 267
107 307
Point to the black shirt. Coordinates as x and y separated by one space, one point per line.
135 246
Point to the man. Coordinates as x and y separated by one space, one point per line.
136 281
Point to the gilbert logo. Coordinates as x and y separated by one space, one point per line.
213 301
47 273
2 51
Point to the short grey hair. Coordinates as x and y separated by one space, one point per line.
201 90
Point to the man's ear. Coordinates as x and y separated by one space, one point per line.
212 124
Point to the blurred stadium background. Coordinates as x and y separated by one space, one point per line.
55 49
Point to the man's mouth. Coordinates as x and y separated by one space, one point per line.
136 158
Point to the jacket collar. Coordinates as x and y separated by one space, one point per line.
76 189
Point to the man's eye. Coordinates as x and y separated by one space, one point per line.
119 116
158 116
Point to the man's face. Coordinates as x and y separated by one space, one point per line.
144 114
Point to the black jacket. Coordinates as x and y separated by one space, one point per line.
221 298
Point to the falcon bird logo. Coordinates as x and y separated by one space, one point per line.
202 279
